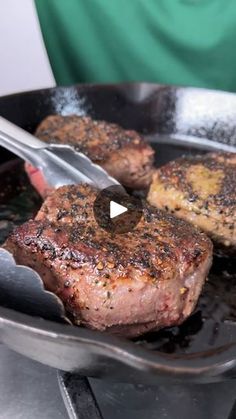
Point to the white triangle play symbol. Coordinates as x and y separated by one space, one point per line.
116 209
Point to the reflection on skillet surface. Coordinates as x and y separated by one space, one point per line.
18 199
217 304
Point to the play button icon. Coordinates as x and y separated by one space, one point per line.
116 211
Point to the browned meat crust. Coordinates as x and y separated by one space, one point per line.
202 190
123 153
128 284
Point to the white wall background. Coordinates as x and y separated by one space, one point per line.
24 63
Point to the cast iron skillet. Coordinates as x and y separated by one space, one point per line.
203 349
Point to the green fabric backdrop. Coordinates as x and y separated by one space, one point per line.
187 42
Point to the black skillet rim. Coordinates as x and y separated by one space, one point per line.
207 363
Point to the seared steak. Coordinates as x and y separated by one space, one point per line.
130 283
202 190
124 154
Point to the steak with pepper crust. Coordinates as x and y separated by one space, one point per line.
122 153
202 190
130 283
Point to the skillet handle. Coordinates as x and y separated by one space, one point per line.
78 396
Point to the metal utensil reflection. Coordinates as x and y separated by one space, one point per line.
21 289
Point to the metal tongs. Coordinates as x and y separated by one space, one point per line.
21 288
60 164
